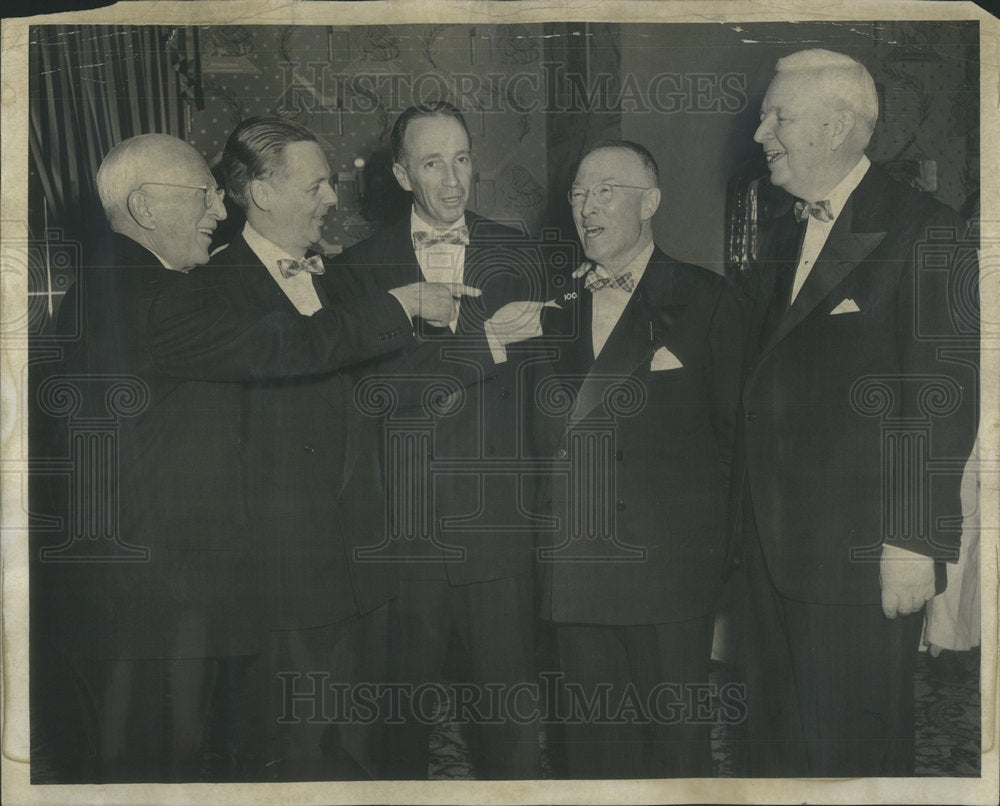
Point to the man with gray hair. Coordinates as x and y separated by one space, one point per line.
144 628
860 374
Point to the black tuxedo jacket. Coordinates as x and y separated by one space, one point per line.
642 457
833 399
313 481
480 502
180 493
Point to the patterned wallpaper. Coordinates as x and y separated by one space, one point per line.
929 105
349 84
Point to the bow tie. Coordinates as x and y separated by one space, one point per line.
598 278
821 211
457 236
311 265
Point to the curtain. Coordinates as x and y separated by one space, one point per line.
92 87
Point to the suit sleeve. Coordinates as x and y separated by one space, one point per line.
198 331
938 343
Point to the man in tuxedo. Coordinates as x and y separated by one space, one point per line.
150 619
466 568
313 488
147 613
639 417
860 393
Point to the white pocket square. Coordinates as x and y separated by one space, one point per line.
848 305
664 359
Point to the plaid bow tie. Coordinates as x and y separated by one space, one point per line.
311 265
821 211
422 238
599 278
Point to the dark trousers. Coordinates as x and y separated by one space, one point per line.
314 731
830 687
492 623
631 699
156 720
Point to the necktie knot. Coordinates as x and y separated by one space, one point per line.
457 236
821 210
310 265
599 278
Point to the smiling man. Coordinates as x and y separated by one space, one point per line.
862 290
141 629
468 578
650 349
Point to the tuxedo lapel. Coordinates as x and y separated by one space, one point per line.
647 318
845 248
259 285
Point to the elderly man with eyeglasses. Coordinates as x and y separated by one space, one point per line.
139 633
639 417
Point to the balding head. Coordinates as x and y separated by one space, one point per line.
149 189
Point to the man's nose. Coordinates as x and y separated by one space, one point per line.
330 195
590 205
218 207
450 176
763 131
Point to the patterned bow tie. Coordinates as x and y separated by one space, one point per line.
599 278
311 265
821 211
457 236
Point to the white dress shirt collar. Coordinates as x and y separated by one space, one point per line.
817 231
417 224
299 289
609 303
839 195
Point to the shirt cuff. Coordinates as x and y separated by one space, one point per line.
497 350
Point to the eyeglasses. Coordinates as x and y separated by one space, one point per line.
209 192
603 193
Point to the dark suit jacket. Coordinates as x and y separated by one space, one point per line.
480 513
656 475
180 492
828 397
313 478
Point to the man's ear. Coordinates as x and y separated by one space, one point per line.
401 176
138 208
259 193
650 203
843 124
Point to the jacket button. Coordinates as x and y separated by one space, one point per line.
619 455
562 453
308 448
620 505
751 416
504 394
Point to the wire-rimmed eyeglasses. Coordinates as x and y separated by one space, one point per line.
603 193
209 192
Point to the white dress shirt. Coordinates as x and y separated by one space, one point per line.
443 262
299 289
610 302
818 231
